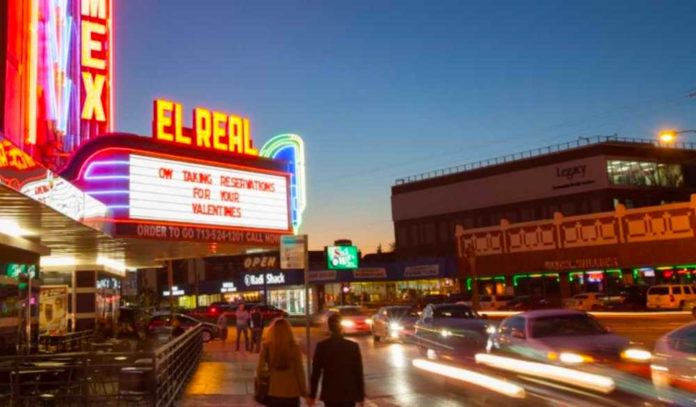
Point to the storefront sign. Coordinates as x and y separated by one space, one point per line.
108 283
173 232
322 275
261 262
342 257
258 279
370 273
177 191
228 287
175 292
211 130
429 270
593 262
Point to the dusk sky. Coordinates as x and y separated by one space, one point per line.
385 89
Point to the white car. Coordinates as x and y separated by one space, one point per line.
562 336
490 302
585 302
670 296
674 362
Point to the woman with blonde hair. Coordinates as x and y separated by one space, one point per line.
280 362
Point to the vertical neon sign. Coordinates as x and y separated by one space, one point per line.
290 148
95 63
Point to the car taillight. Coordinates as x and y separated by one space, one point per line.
671 298
213 310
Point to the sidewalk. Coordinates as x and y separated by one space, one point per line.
224 377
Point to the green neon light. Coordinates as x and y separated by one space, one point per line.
664 268
687 266
574 273
468 283
272 148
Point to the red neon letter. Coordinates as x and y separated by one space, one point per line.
234 131
219 119
178 126
248 143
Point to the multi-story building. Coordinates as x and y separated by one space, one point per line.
578 178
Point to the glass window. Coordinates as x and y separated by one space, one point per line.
676 290
645 173
455 312
658 291
565 325
684 340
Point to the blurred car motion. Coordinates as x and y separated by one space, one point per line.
355 320
562 336
674 359
269 312
527 303
490 302
394 322
454 330
161 323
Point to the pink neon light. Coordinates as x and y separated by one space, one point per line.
91 166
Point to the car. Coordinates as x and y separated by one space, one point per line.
355 320
562 336
269 312
586 302
450 330
691 306
161 323
490 302
526 303
630 298
674 360
669 296
394 322
432 299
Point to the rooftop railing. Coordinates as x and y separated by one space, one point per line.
580 142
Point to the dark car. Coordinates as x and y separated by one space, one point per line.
269 312
528 303
455 330
162 322
631 298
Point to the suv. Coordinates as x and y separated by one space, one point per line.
670 296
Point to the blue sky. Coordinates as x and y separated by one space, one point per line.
385 89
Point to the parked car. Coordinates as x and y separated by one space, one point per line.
394 322
586 302
630 298
355 319
431 299
269 312
526 303
454 330
674 361
691 306
670 296
490 302
162 322
562 336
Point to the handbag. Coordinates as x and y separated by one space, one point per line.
262 384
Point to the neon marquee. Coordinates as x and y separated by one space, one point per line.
212 130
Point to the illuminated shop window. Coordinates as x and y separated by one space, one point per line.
645 173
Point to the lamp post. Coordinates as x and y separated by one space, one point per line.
670 136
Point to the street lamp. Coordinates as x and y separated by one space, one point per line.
670 136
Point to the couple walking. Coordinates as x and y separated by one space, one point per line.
337 361
245 321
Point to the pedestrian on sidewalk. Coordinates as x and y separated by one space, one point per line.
339 361
222 327
281 360
256 329
242 317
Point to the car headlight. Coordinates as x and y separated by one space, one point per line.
395 326
368 321
445 333
637 355
490 329
574 358
347 323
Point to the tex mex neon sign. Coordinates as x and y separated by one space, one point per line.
212 130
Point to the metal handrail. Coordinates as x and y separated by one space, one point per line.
156 377
71 342
555 148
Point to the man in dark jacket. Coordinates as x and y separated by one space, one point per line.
339 361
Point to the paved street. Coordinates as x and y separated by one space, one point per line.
226 376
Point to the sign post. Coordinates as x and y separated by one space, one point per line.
294 254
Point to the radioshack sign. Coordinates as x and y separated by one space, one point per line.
258 279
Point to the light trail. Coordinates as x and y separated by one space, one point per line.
560 374
468 376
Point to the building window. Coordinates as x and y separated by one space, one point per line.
414 235
402 236
645 174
